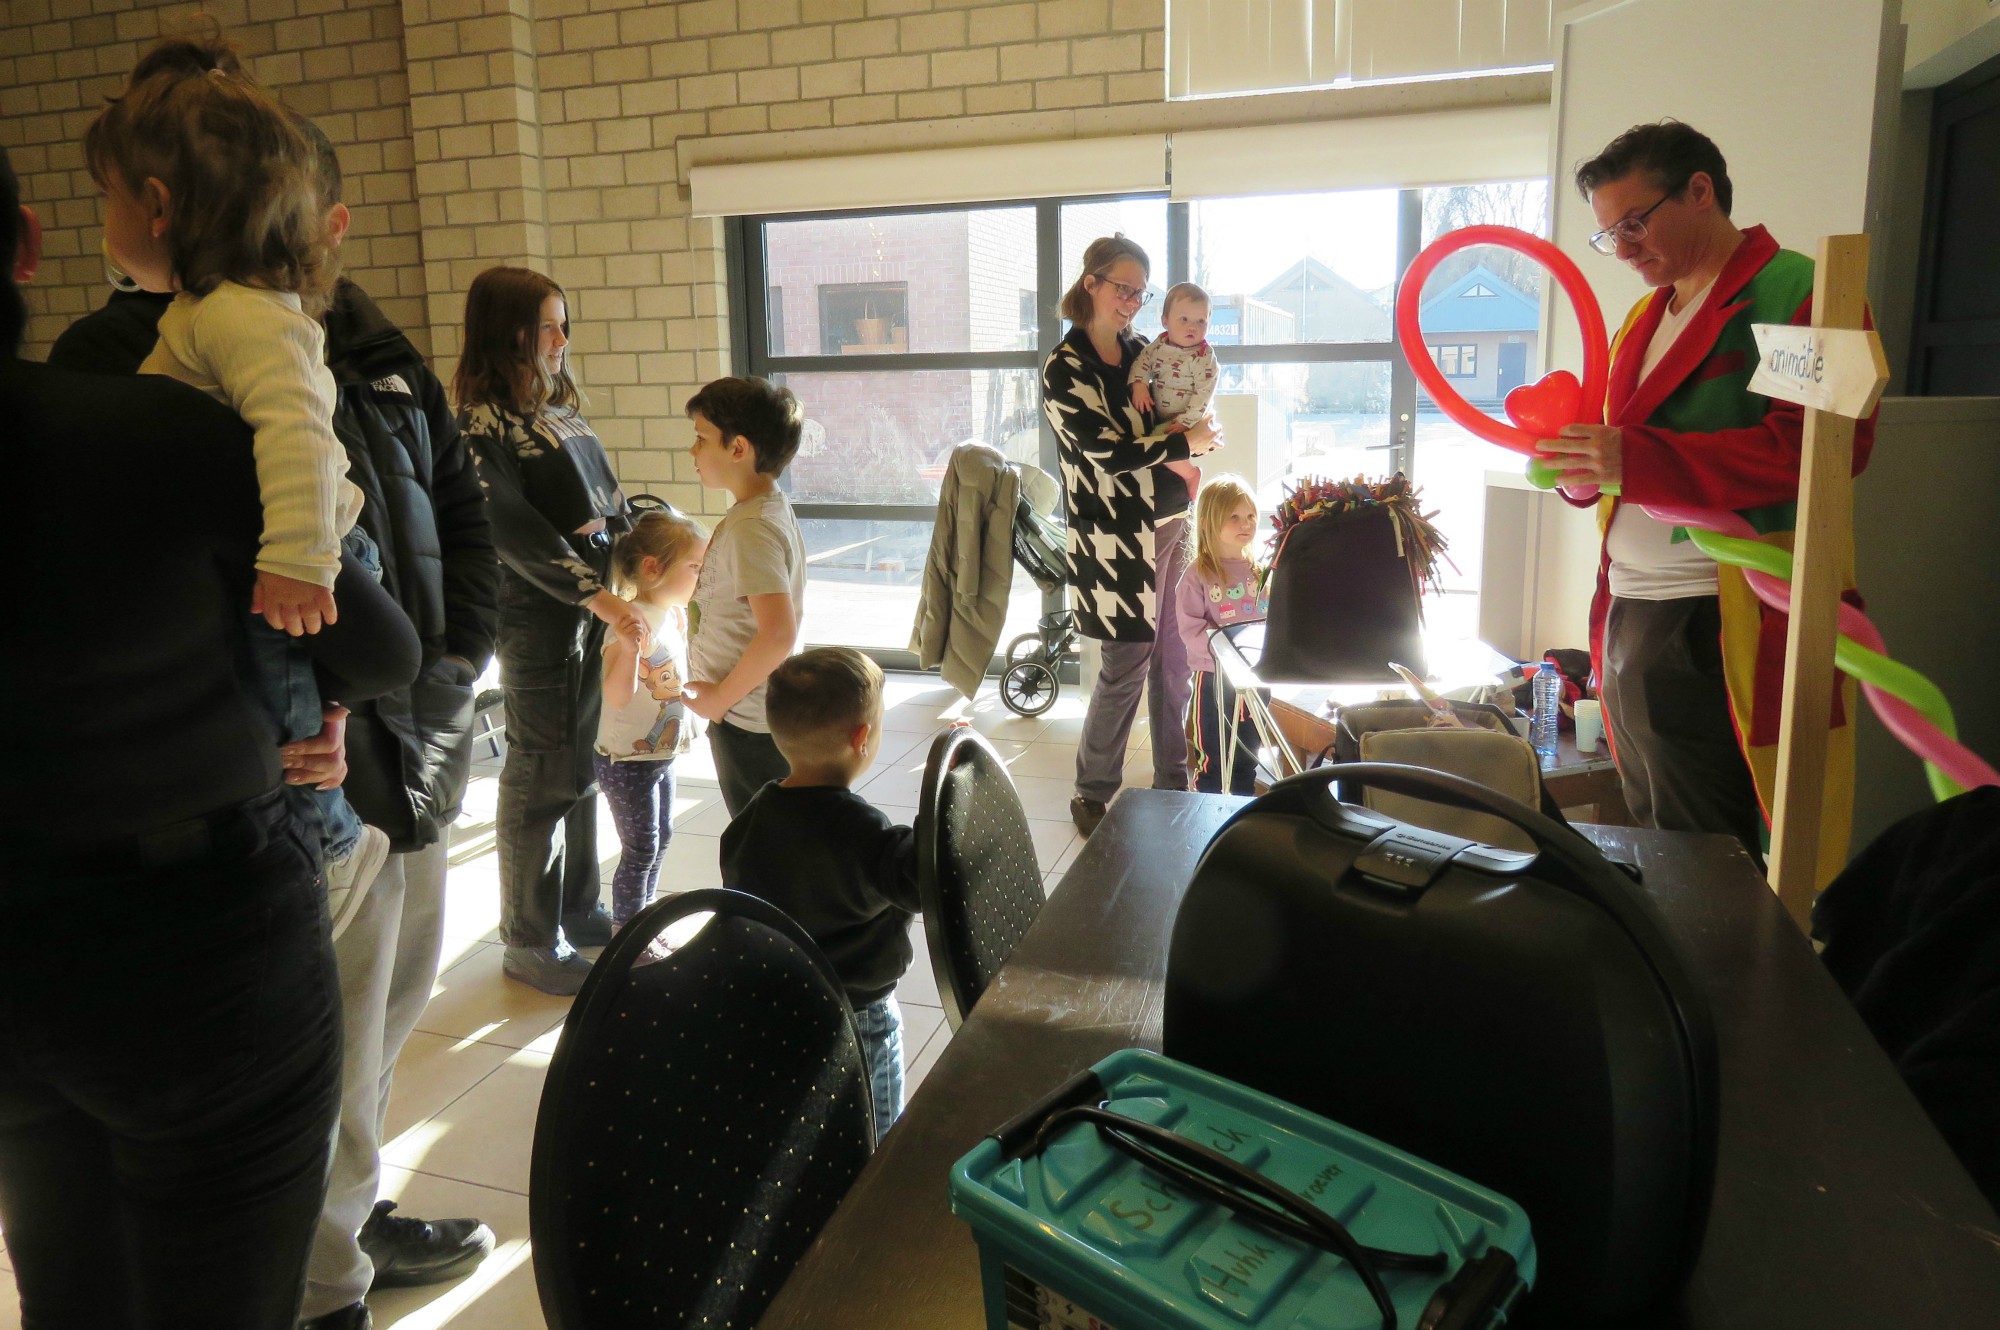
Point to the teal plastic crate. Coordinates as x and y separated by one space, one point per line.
1077 1234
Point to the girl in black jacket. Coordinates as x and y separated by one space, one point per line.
555 507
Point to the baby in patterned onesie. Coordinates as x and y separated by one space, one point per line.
1174 378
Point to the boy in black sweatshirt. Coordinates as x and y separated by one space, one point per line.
826 856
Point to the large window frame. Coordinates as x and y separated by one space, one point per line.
750 336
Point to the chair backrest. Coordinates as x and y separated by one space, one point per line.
976 870
706 1110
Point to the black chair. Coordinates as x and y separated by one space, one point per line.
705 1112
1911 932
976 870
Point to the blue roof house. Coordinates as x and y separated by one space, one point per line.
1482 332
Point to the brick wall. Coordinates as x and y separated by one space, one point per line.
559 133
338 61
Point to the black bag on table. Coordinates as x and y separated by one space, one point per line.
1343 603
1520 1019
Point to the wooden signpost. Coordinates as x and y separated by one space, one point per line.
1837 371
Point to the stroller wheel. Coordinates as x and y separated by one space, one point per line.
1028 646
1028 688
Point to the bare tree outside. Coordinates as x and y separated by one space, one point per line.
1523 204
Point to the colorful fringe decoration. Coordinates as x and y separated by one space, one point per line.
1418 540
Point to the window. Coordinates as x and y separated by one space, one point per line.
908 333
864 318
1456 362
1451 463
904 335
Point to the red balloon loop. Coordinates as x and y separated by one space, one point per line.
1539 410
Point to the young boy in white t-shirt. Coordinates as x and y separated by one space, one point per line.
749 604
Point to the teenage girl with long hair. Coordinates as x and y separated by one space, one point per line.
556 508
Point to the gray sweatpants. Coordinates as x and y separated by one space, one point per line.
388 960
1160 669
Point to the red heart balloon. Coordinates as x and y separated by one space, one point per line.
1542 408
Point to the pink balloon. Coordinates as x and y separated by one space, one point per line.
1910 726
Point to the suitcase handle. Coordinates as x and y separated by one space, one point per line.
1588 872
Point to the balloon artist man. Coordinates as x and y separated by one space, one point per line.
1690 664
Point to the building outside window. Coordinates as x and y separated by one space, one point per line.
864 318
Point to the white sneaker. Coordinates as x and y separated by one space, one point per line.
348 880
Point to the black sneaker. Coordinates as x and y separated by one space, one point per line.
1086 813
407 1252
588 930
353 1317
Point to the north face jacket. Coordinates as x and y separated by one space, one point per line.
408 752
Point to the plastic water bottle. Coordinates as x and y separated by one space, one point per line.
1548 693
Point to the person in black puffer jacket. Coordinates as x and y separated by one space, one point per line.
408 757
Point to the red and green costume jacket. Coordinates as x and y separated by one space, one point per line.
1694 435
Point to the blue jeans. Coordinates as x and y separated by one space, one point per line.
282 670
641 795
880 1025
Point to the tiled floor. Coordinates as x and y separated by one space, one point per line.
462 1117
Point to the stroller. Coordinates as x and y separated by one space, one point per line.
1030 681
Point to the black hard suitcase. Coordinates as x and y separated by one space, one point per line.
1521 1019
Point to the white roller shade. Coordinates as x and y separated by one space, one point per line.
1218 47
1378 152
1131 164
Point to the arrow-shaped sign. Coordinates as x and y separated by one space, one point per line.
1840 370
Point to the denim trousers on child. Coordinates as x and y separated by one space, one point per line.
282 666
745 762
641 795
1219 715
880 1025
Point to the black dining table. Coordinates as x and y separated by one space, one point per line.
1836 1205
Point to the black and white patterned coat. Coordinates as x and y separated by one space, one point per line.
1116 487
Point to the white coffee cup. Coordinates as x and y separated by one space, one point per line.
1589 725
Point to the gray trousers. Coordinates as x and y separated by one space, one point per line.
1668 709
1160 669
388 960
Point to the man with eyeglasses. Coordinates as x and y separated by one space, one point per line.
1689 663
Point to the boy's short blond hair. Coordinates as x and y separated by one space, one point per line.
814 700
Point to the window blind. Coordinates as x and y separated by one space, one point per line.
1129 164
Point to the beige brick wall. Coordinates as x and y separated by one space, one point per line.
338 61
559 133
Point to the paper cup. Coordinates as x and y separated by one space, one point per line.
1589 726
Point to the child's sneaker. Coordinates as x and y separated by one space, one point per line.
348 879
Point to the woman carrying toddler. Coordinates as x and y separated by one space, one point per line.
212 192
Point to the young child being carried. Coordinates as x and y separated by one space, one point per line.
211 191
825 856
645 725
1174 378
751 599
1221 587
